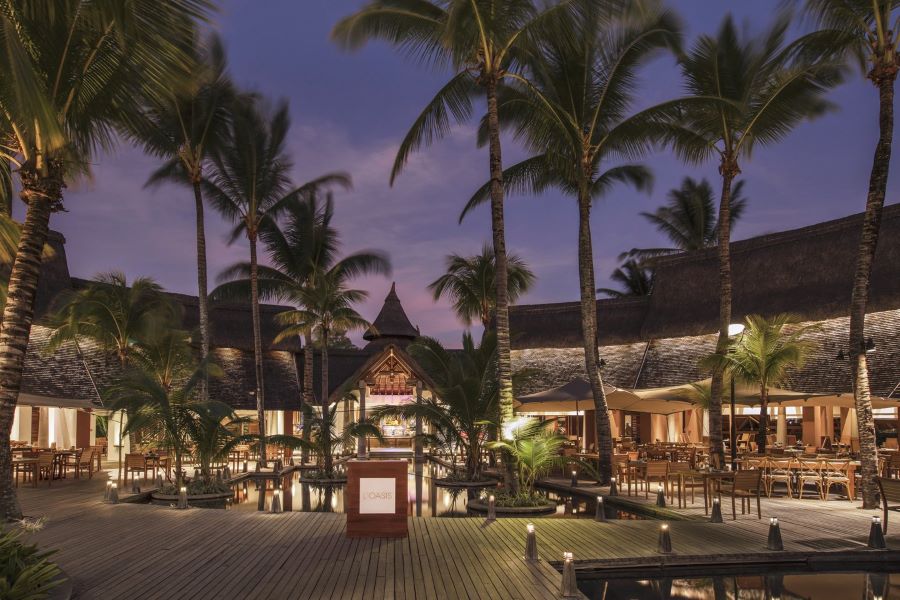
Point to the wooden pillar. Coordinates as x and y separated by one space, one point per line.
361 452
419 450
590 433
288 423
645 430
83 429
810 437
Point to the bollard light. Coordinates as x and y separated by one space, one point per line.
531 551
245 466
106 491
665 539
613 489
569 588
716 516
567 508
196 474
182 498
492 509
660 497
574 478
774 541
114 494
876 535
599 513
276 501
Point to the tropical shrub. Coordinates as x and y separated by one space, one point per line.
25 572
535 450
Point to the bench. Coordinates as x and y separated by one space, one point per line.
890 496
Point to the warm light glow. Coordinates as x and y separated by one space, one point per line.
567 556
183 489
735 329
115 486
491 498
510 427
876 520
773 521
599 498
612 479
530 527
664 526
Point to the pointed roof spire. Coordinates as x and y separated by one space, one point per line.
391 324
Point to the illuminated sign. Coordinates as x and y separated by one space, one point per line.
377 495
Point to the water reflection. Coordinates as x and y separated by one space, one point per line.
771 586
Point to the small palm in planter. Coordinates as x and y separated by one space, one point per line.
535 450
325 438
25 572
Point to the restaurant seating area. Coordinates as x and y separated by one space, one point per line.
32 465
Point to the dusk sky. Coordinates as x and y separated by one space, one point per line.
350 111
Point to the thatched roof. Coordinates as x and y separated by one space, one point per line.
391 326
806 271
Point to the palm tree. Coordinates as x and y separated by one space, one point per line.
635 279
185 128
483 41
767 88
249 183
766 352
75 71
575 112
464 407
537 451
469 284
689 218
307 244
325 306
868 30
325 434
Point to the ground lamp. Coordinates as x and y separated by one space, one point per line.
568 507
716 516
774 542
276 501
107 490
599 513
531 551
733 330
665 540
613 490
182 498
114 494
574 478
492 509
660 497
876 535
569 588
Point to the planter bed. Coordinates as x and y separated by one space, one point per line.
513 511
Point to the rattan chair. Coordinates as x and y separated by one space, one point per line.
779 470
836 472
810 470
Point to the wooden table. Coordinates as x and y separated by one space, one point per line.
26 461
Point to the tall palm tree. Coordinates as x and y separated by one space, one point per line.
75 71
325 306
185 128
867 29
465 404
483 42
576 113
635 279
249 183
764 355
768 87
688 218
469 284
307 244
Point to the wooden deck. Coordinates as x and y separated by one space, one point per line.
144 552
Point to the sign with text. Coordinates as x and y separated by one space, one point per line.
375 499
376 496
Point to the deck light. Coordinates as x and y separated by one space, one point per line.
492 509
613 489
182 498
276 501
876 535
567 508
665 540
569 588
599 513
531 551
106 492
716 516
574 478
774 542
660 497
114 494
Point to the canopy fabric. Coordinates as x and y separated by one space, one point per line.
743 394
577 396
33 400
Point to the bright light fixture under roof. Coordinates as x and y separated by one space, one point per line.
735 329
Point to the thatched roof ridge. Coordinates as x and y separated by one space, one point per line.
391 325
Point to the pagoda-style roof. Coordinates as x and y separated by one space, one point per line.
391 325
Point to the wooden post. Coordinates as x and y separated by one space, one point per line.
420 453
361 443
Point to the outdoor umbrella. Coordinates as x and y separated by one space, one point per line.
576 396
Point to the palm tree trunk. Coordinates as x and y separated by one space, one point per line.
504 362
326 428
729 170
257 352
864 259
308 397
589 335
763 420
202 296
16 326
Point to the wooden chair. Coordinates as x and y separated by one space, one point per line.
655 470
835 472
890 497
84 461
135 463
687 478
27 470
46 464
97 457
779 470
893 466
745 485
809 470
